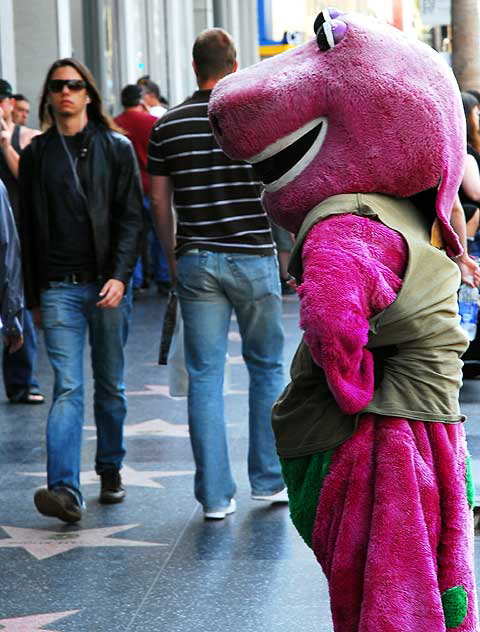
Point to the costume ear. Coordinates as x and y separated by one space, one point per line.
325 16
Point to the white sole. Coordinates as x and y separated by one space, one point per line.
279 497
220 514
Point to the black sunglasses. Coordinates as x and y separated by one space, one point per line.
57 85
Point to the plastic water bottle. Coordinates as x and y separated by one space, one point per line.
468 309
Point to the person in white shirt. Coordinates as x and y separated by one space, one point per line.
152 97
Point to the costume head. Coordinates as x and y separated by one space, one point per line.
360 109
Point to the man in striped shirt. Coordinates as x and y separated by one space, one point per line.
222 259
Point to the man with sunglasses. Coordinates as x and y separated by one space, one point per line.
21 385
81 219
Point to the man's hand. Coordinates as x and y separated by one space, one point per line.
291 282
13 343
172 268
469 270
5 134
163 219
37 316
111 293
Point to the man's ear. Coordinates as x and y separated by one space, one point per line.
235 66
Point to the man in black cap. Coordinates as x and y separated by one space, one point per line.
18 368
13 138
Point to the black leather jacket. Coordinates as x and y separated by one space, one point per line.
108 170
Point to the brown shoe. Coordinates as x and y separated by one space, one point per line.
59 503
111 490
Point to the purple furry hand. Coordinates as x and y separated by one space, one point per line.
353 268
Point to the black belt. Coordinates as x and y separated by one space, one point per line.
75 278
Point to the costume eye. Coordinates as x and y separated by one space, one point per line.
325 16
330 33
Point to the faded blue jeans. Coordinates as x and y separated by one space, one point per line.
210 286
18 367
68 313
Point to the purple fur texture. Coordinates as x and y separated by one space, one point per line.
391 525
395 119
352 270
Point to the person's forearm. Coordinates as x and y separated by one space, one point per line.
12 158
164 224
459 224
469 270
475 141
163 218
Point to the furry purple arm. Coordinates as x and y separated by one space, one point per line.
353 268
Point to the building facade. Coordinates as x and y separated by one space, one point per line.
119 40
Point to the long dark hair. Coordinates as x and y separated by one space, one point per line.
469 101
95 111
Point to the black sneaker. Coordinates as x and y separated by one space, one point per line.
112 490
58 502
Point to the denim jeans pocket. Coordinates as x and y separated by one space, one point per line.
192 271
256 275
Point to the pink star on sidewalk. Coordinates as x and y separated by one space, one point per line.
140 478
33 623
42 543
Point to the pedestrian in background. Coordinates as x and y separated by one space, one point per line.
21 109
223 260
11 283
81 218
21 385
137 123
156 104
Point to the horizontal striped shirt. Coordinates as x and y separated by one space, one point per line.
217 200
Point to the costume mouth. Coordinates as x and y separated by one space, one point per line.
282 161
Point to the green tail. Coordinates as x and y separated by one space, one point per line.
470 483
304 478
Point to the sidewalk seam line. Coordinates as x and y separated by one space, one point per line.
162 568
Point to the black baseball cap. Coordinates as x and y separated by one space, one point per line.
5 89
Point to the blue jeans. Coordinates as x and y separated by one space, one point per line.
210 286
68 312
155 256
159 261
18 367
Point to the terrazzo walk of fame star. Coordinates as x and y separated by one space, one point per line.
155 427
34 623
154 389
164 390
130 477
41 543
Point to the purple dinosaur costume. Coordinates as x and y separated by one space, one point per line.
359 139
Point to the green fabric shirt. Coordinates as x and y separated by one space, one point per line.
417 341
